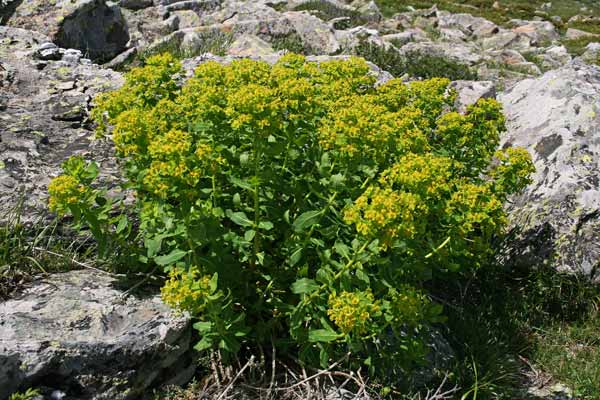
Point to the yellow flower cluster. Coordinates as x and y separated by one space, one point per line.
359 126
475 209
64 190
186 290
406 305
353 311
254 107
173 144
387 214
513 169
427 174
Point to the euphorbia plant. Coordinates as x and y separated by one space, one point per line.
298 203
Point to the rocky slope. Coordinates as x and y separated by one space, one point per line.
55 56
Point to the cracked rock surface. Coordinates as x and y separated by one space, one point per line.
77 333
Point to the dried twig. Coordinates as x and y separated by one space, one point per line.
74 261
250 362
306 378
438 394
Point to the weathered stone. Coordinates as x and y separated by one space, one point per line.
555 57
195 5
469 92
76 333
136 4
461 52
95 27
592 53
471 26
122 59
45 120
574 34
368 8
555 118
249 45
538 31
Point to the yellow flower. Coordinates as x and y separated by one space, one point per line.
352 311
186 290
64 190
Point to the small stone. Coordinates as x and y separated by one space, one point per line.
49 51
573 33
46 46
69 85
57 395
72 56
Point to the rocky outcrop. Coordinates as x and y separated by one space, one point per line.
94 27
45 94
556 118
76 333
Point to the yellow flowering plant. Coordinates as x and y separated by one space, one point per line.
298 203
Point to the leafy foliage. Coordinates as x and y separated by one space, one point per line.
298 203
415 63
29 394
328 11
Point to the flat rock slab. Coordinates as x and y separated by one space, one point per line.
77 333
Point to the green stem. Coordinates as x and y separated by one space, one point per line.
337 276
256 241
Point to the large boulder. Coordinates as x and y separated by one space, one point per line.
76 333
556 118
95 27
45 94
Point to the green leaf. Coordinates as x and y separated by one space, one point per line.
239 218
306 220
170 258
204 344
249 235
214 282
304 286
241 183
322 335
152 245
362 276
296 256
266 225
342 250
203 327
123 222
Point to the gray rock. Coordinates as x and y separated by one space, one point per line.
464 53
249 45
592 53
573 34
76 331
538 31
469 92
476 27
402 38
555 57
555 117
45 119
95 27
122 59
136 4
196 5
